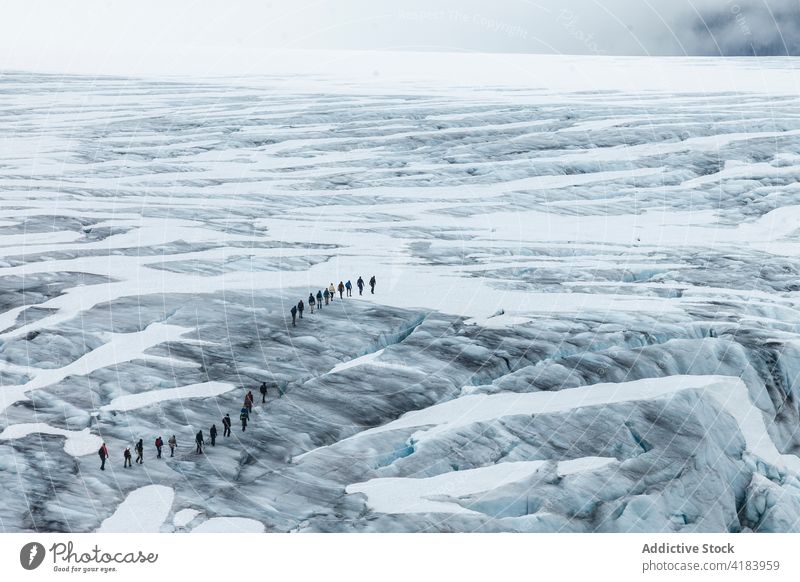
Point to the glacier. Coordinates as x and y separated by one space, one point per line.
586 319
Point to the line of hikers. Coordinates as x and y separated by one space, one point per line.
172 442
328 295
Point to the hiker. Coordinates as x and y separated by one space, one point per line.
341 289
248 401
332 291
300 307
319 299
226 425
293 311
372 284
244 416
173 444
213 434
360 284
200 442
127 455
140 452
326 295
103 452
159 444
349 287
263 390
311 302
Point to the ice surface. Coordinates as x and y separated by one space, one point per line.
392 495
184 517
586 316
144 510
134 401
229 525
356 361
77 443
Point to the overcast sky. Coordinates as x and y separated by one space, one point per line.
50 33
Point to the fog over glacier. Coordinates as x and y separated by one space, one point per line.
587 312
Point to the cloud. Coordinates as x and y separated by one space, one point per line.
741 28
200 35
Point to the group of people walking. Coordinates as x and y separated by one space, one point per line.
199 439
323 297
327 296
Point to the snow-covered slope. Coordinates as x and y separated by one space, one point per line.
586 319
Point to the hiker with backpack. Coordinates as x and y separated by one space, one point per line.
341 290
372 283
159 444
332 291
244 416
311 302
127 455
263 391
319 299
200 442
103 452
140 452
226 425
248 401
213 434
300 307
293 311
360 284
173 444
349 287
326 295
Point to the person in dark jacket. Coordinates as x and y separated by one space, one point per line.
103 452
248 401
300 307
326 295
244 416
213 434
340 288
293 311
226 425
200 442
319 299
349 287
311 302
173 444
127 455
139 451
360 284
372 284
159 444
263 391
